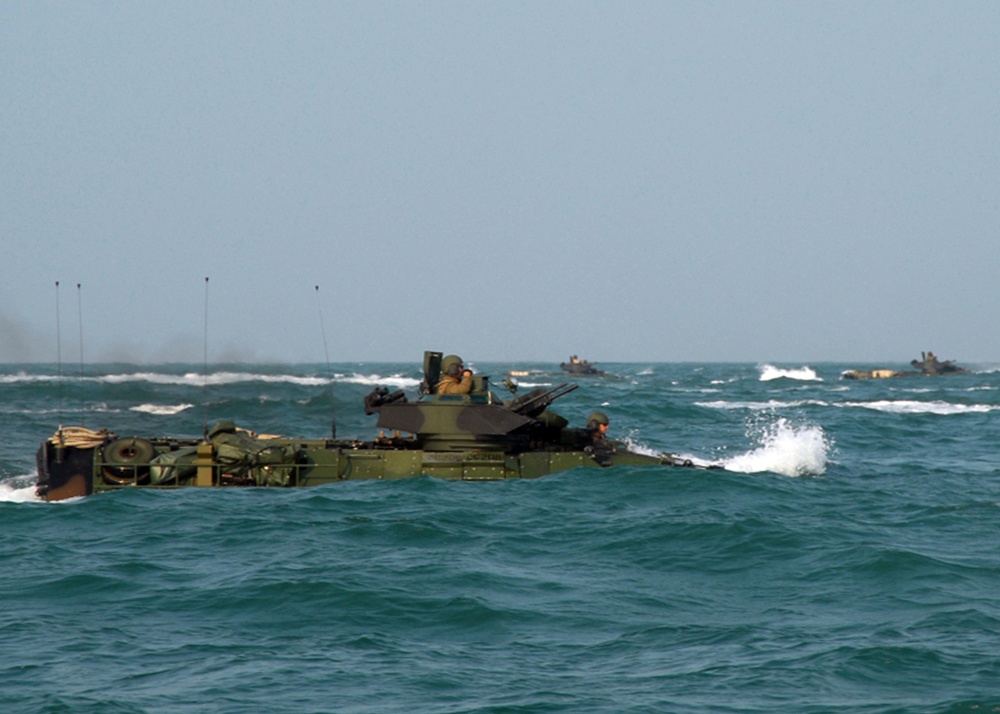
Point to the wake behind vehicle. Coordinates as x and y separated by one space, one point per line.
472 437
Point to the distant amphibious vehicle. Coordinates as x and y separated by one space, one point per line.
580 368
927 366
472 437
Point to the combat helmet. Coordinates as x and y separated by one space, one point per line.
597 418
451 365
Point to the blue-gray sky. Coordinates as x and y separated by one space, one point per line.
637 181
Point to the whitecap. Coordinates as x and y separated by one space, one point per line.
161 409
22 377
769 372
911 406
214 379
395 380
769 405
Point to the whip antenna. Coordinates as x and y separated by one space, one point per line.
322 329
59 359
79 311
204 373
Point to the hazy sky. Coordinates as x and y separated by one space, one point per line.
626 181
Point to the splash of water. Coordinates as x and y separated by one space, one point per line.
14 492
784 449
769 372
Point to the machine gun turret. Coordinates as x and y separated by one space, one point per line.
380 396
537 400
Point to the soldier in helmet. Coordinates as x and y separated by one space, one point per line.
597 426
455 379
594 440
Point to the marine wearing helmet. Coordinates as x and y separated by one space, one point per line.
597 425
455 379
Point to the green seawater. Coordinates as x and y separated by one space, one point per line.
845 560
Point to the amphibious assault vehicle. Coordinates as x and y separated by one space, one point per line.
927 366
580 368
472 437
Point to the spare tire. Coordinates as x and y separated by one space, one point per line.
127 461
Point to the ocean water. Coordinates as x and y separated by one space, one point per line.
845 559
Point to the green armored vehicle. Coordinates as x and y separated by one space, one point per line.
927 366
473 437
580 368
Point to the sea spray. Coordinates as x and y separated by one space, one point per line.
16 491
784 448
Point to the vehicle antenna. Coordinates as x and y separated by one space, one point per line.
59 360
79 310
204 373
329 374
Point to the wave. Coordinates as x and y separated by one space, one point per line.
198 379
892 406
396 380
784 449
23 377
186 379
161 409
97 408
769 372
910 406
214 379
770 404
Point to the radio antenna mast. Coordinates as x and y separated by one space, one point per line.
79 311
329 374
59 359
204 373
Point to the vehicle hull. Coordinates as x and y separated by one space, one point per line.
69 471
